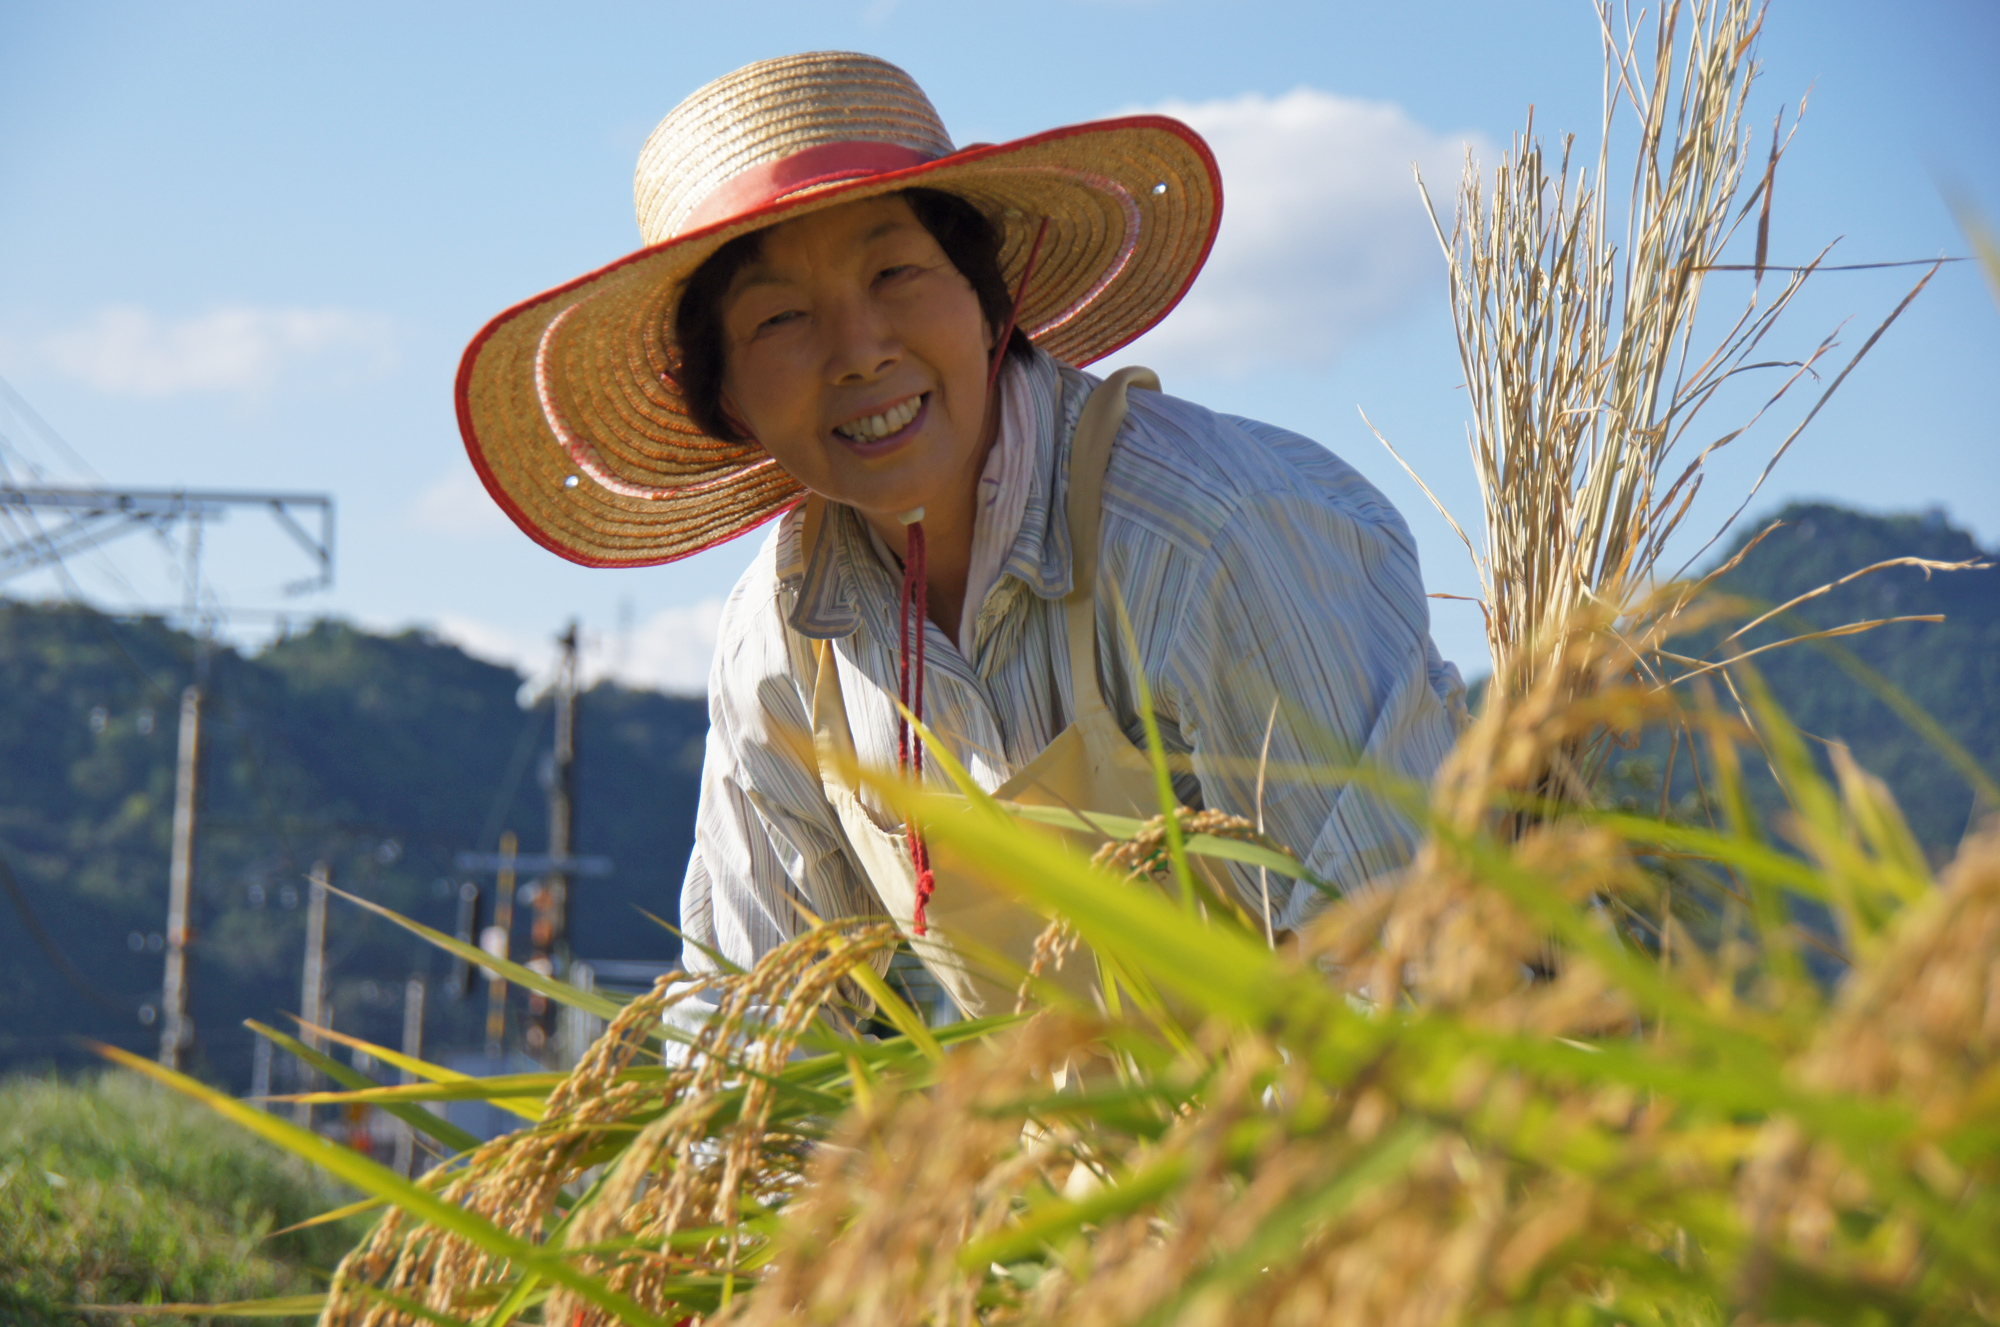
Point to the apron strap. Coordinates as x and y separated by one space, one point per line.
1089 455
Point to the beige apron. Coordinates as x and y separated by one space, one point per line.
1090 766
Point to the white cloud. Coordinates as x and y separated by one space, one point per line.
482 640
458 504
135 352
669 651
1323 238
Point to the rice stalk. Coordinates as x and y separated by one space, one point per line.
1578 313
687 1149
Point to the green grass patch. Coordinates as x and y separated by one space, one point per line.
113 1191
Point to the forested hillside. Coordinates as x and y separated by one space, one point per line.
384 755
387 754
1950 668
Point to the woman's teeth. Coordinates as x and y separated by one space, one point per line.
873 427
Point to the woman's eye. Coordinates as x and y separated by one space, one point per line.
777 320
900 269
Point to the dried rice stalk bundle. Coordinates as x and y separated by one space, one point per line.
683 1170
1588 372
1576 326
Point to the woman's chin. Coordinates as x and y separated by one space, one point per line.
889 508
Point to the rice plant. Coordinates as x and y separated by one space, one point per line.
1588 367
1573 1067
1578 1068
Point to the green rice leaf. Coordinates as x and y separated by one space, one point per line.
372 1177
559 991
278 1306
1216 968
410 1064
328 1218
1058 1217
431 1126
529 1088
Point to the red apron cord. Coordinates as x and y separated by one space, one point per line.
915 611
910 690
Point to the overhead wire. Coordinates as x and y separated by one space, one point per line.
42 426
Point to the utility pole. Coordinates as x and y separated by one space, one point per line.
550 936
413 1046
469 932
176 1031
494 941
312 988
260 1073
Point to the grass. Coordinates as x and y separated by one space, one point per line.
115 1191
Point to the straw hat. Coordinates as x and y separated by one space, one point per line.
567 402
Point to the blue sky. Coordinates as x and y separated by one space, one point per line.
244 245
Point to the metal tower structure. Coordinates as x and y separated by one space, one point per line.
42 524
84 518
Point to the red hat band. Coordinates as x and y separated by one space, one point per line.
761 185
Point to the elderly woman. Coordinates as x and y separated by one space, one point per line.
845 323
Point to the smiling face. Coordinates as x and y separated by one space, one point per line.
856 354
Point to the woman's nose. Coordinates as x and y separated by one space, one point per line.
863 342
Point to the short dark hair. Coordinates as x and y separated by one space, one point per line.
970 240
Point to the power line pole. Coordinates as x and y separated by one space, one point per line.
494 941
312 985
562 804
176 1031
470 931
413 1046
551 930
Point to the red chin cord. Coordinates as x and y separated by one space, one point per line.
910 690
915 609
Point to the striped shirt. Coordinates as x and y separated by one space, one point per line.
1255 567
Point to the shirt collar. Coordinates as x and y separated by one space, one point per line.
823 582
